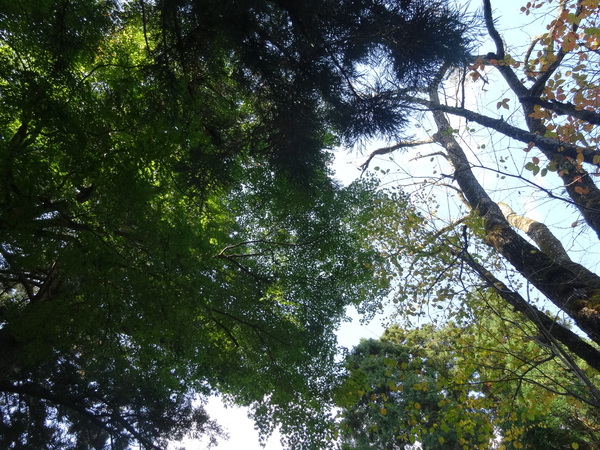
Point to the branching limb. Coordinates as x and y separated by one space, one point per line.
505 70
428 155
538 232
545 324
258 330
254 241
390 149
534 42
549 145
459 193
579 185
569 286
564 109
243 268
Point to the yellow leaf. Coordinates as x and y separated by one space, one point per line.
383 411
580 158
575 445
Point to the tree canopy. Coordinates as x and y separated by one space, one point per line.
484 384
169 225
511 142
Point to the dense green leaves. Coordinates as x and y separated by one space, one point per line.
481 385
169 227
155 246
399 393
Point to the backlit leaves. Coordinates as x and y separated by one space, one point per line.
467 386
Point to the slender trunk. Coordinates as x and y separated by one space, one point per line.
545 324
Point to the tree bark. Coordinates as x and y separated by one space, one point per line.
570 286
538 232
545 324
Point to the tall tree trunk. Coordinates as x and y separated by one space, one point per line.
570 286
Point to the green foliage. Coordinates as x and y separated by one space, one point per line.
398 393
169 227
527 380
463 387
155 245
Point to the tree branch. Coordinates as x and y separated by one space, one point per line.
390 149
538 232
544 323
489 24
577 182
506 71
564 109
571 287
550 145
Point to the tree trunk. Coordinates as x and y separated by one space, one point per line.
570 286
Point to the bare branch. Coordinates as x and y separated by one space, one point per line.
578 183
427 155
509 75
392 148
489 23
